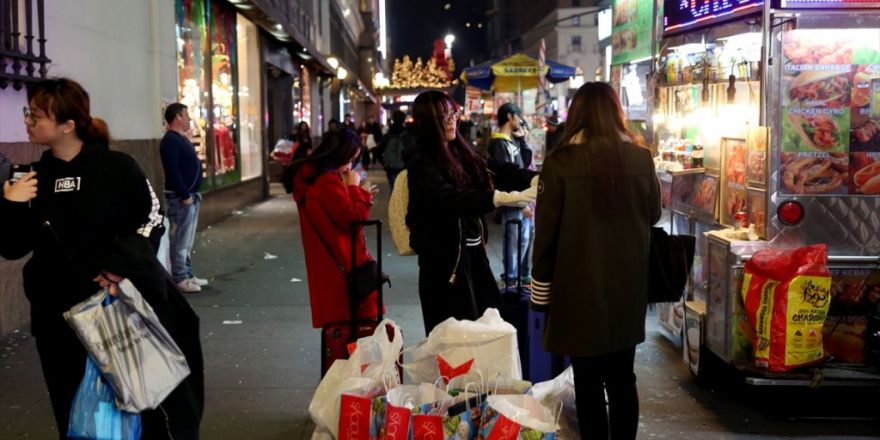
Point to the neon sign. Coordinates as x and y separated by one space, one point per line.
682 15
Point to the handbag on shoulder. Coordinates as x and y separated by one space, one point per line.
670 261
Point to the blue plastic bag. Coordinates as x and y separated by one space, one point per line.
94 414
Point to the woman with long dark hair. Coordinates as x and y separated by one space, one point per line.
303 139
330 197
86 213
598 197
451 188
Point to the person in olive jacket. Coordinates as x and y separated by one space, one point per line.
85 213
450 190
597 199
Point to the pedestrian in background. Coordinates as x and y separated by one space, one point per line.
183 180
303 141
505 149
555 132
597 199
394 145
348 122
330 196
85 213
449 192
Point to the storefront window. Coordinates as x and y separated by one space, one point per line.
223 89
250 133
191 43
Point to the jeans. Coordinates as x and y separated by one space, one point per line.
593 377
184 220
511 265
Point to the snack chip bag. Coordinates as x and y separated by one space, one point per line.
787 294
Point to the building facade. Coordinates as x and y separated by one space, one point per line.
249 71
570 37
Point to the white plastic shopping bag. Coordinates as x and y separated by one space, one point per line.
474 349
134 352
369 372
560 391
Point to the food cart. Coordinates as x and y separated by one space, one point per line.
767 121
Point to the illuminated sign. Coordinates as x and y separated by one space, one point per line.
682 15
604 24
829 4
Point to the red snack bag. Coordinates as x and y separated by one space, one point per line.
787 294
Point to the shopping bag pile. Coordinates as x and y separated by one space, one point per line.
463 382
787 294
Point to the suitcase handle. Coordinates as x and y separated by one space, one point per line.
519 265
354 230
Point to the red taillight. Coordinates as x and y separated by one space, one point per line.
790 213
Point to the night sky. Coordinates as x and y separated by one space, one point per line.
415 24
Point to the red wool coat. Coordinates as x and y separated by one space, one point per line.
325 203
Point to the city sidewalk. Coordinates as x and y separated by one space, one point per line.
262 356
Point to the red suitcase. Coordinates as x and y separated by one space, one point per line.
338 338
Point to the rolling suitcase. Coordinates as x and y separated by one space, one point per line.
537 364
338 338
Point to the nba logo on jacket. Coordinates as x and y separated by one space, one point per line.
67 184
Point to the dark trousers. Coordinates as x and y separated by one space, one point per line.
473 291
64 362
593 377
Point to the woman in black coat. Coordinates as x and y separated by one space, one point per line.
451 187
597 200
86 213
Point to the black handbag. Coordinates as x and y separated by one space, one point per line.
670 261
362 280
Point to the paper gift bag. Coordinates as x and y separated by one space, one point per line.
515 417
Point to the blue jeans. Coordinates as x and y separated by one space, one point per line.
511 265
184 220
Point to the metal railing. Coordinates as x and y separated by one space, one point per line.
18 62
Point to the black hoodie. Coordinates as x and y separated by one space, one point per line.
89 204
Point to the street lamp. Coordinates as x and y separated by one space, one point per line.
449 40
341 73
333 62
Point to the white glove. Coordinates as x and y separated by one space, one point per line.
514 198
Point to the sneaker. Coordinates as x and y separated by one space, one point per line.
201 282
188 286
526 281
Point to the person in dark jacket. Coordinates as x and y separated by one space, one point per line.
303 141
394 145
450 189
597 199
183 180
555 132
506 149
85 213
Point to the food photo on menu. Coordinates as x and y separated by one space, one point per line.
814 173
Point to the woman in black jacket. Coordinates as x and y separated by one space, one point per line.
86 214
451 187
597 200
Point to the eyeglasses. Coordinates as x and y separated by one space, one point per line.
451 117
31 118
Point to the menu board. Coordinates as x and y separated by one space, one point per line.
695 194
831 112
683 15
733 183
631 36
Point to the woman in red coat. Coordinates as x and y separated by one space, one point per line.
330 196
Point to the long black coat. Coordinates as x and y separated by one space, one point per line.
99 208
591 266
455 279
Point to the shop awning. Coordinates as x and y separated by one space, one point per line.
515 73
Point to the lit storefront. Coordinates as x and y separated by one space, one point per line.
219 79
